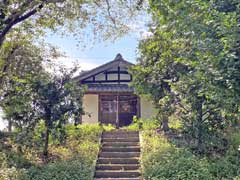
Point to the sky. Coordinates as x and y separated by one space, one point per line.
96 54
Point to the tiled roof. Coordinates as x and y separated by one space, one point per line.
109 88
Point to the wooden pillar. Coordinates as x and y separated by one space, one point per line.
117 115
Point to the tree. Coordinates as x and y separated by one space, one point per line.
25 59
53 99
57 98
195 50
70 14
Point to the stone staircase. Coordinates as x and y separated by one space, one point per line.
118 158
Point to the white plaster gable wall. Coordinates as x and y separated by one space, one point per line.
90 106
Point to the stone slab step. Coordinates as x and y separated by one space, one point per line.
117 139
118 161
121 149
137 178
116 174
120 133
117 167
122 136
119 154
119 144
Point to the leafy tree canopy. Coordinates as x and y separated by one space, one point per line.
190 65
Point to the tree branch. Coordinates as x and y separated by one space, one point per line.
109 13
17 20
7 63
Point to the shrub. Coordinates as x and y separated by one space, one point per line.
74 169
143 124
162 161
11 173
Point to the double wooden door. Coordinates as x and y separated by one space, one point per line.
118 109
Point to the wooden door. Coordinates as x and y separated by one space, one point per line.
108 109
127 109
122 106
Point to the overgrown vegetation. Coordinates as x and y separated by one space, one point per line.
190 67
165 157
73 159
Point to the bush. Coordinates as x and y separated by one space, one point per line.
73 169
11 173
70 160
163 161
143 124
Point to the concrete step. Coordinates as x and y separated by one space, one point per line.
116 174
118 160
119 144
117 139
119 154
117 167
121 149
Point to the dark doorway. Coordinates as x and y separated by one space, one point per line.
123 107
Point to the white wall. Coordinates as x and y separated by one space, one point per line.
90 106
147 108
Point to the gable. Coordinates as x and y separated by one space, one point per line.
113 72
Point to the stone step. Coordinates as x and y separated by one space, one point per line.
121 149
119 144
121 131
117 167
120 134
116 174
138 178
129 139
118 160
119 154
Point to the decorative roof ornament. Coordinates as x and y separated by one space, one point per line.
118 57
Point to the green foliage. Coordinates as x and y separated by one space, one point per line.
11 173
65 170
190 67
105 18
161 160
143 124
70 160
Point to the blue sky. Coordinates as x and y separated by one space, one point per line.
95 54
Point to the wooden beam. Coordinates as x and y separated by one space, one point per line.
118 75
106 76
116 72
104 81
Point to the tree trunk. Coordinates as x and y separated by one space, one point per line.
199 125
164 124
9 125
45 148
78 121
